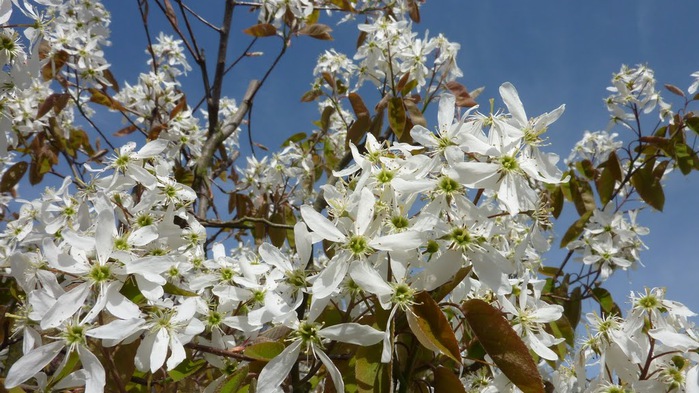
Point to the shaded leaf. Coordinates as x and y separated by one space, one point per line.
605 185
233 382
173 289
311 95
298 137
372 375
583 197
431 327
358 105
107 74
357 130
414 11
277 235
170 13
51 68
185 369
101 98
415 113
463 99
503 345
445 381
318 31
446 288
12 176
605 300
264 351
396 116
56 101
648 186
576 229
572 308
261 30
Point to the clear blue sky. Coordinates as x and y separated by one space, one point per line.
554 52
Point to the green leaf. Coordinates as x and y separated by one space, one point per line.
185 369
692 123
605 185
604 298
415 113
557 201
582 195
261 30
576 229
431 327
130 291
503 345
173 289
73 360
233 382
396 116
445 381
264 351
572 308
372 375
298 137
12 176
648 186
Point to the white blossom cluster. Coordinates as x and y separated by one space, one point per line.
119 256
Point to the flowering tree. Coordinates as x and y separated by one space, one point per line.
382 251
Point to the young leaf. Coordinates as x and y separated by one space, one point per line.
503 345
431 327
318 31
463 99
576 229
396 116
185 369
12 176
372 375
261 30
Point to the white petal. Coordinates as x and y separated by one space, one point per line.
423 136
119 305
95 381
439 270
321 225
118 329
5 11
352 333
66 305
398 241
365 213
514 104
304 244
445 114
274 373
489 274
151 149
674 340
330 278
144 235
540 349
161 340
104 236
692 380
369 279
177 355
32 363
332 369
274 257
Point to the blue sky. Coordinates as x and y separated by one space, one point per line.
554 52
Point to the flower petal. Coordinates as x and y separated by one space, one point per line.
30 364
274 373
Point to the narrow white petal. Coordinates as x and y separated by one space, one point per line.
692 380
151 149
365 212
5 11
66 305
540 349
674 340
445 114
95 381
398 241
118 329
369 279
321 225
177 354
439 271
330 278
144 235
274 373
423 136
352 333
304 243
161 341
332 369
274 257
104 235
30 364
514 104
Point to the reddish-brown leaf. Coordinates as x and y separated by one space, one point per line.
503 345
126 130
56 101
431 327
261 30
463 99
318 31
12 176
170 13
